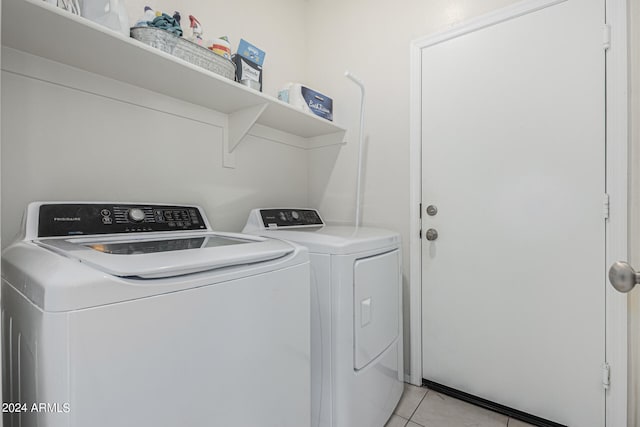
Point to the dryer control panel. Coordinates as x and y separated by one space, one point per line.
72 219
286 217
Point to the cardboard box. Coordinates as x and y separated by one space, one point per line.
248 72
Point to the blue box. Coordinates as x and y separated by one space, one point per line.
250 52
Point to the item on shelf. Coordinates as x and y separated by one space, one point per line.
250 52
196 30
168 23
221 46
248 73
71 6
148 16
307 100
109 13
177 17
184 49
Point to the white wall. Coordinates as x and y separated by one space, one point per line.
634 216
371 38
63 143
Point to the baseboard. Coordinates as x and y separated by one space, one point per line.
487 404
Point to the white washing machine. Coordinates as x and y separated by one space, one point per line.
356 315
118 314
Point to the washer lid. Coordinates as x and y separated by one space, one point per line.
339 240
166 255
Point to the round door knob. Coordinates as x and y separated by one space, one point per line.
432 234
136 215
623 277
432 210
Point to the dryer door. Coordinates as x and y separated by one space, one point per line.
376 305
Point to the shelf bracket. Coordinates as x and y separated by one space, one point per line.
241 121
238 125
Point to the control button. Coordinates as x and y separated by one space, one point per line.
171 224
179 223
105 212
136 215
295 215
107 220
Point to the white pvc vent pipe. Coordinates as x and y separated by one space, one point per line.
360 143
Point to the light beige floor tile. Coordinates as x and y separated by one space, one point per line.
410 400
518 423
439 410
396 421
412 424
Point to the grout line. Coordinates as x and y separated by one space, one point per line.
417 406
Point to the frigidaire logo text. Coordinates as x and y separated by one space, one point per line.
67 218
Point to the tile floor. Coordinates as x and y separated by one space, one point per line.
421 407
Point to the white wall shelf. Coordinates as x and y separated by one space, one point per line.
38 28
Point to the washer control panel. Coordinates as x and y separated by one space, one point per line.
286 217
71 219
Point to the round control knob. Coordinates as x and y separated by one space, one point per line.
136 215
295 215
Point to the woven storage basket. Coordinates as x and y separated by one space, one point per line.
184 49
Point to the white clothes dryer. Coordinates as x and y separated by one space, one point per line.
129 315
356 315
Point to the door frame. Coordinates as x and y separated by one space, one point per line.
617 134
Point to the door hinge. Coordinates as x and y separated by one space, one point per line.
420 234
606 375
606 36
605 206
420 210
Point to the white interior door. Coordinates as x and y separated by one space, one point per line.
513 142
